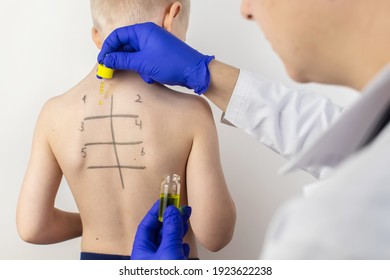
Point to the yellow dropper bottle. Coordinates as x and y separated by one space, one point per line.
103 73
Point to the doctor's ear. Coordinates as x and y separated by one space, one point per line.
171 16
97 38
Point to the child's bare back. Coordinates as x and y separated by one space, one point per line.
114 156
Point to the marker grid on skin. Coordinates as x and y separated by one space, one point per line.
114 144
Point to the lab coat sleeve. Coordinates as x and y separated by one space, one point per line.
345 217
283 119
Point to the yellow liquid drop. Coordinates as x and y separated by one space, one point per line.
101 92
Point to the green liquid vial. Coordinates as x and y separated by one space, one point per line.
170 193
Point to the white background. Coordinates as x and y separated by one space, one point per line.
46 49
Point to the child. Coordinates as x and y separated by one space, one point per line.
114 144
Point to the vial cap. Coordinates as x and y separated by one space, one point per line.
104 72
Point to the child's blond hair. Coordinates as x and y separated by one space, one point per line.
108 15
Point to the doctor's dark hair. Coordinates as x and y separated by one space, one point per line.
108 15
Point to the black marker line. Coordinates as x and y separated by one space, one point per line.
112 116
113 140
116 166
113 143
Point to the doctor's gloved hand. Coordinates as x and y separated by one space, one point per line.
157 55
162 241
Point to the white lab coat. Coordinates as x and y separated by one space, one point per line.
283 119
346 215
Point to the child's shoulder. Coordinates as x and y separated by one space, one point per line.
52 106
62 100
57 106
190 102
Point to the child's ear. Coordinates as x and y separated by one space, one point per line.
171 15
97 38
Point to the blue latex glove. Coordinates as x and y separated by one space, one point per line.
162 241
157 55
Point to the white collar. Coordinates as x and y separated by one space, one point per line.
348 134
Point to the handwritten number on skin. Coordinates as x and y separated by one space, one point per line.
138 123
139 99
82 126
83 152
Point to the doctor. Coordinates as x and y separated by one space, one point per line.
346 215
